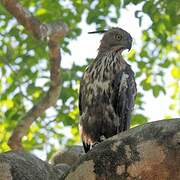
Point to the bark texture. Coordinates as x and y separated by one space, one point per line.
18 165
147 152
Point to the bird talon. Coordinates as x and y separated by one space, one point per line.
94 144
102 138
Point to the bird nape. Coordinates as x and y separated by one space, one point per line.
107 90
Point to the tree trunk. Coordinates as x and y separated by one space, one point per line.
150 151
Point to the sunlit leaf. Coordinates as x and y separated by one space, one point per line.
41 11
175 72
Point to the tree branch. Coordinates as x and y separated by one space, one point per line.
52 32
150 151
32 25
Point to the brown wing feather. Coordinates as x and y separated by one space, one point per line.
82 105
124 91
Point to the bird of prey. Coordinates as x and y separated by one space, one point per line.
107 90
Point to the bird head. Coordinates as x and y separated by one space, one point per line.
115 39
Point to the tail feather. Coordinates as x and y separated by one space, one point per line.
86 147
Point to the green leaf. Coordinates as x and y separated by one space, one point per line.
146 85
176 72
138 119
157 89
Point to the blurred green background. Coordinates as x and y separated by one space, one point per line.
24 65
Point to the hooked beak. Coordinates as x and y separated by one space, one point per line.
129 47
129 43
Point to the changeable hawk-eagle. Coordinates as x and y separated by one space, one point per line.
107 90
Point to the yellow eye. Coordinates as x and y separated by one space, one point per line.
118 37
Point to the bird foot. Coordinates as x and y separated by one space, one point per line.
94 144
102 138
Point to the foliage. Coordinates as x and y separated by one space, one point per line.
24 65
